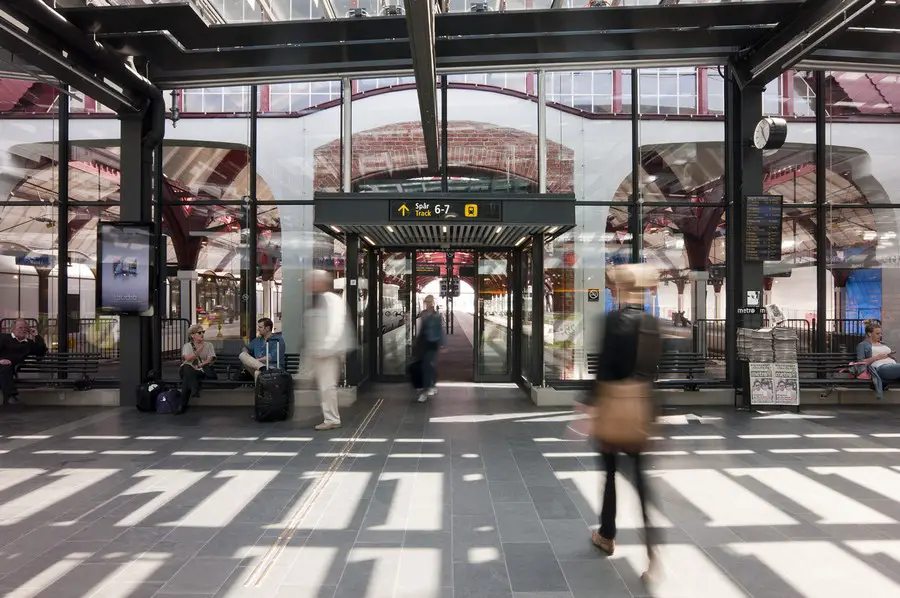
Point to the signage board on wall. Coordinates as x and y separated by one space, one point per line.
763 225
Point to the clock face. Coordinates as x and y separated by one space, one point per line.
761 134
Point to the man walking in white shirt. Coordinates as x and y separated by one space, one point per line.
328 337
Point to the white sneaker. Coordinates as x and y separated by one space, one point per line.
423 397
432 391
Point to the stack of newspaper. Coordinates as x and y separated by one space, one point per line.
755 346
784 343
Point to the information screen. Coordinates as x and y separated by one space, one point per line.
124 253
455 210
763 222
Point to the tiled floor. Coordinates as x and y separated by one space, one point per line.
476 494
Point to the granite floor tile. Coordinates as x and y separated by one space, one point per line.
553 502
587 577
127 589
509 492
201 576
519 522
475 533
533 567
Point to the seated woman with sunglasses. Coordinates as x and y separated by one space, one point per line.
199 356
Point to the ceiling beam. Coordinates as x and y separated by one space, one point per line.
797 36
420 26
31 44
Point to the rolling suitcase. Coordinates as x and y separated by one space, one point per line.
274 393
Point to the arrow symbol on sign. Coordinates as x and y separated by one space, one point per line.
403 210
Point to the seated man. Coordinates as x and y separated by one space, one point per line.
266 350
14 348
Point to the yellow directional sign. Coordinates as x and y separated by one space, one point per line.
471 210
403 210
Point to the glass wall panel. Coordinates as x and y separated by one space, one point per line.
862 260
288 176
576 291
29 135
863 184
492 138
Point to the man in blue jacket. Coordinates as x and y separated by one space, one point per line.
265 351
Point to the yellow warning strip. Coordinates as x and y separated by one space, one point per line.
258 574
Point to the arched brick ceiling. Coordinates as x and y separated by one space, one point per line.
399 148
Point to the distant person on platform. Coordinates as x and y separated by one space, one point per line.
329 336
428 343
265 351
14 348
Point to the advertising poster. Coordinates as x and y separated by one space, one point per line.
761 390
125 253
774 384
786 381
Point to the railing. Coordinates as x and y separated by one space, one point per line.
841 336
100 335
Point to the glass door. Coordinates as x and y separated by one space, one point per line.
395 314
494 324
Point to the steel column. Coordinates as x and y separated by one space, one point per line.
743 176
542 131
822 257
537 310
351 293
253 249
445 142
346 135
62 225
159 312
635 215
136 204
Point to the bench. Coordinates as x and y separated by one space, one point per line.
80 368
681 369
675 368
229 364
823 370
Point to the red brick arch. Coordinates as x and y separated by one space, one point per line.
399 148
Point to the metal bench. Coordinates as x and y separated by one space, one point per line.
229 364
80 369
681 369
823 370
675 369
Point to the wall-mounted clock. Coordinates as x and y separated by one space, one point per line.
770 133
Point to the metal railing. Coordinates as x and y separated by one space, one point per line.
841 336
100 336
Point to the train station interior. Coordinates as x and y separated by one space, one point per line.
503 158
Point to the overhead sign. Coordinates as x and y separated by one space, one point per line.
456 211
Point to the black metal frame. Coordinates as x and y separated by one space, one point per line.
188 53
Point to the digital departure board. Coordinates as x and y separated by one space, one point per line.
763 226
458 211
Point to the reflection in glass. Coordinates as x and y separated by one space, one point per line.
394 313
494 314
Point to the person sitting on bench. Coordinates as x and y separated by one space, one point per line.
14 348
878 357
266 350
198 355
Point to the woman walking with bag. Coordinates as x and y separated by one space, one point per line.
623 408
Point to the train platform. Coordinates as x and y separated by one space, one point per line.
475 494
